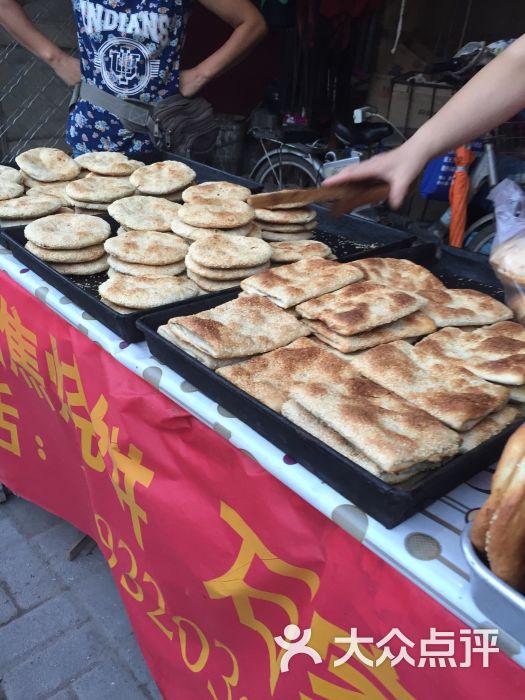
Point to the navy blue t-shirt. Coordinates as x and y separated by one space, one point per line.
129 48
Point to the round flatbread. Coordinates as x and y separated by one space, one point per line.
99 189
90 207
106 163
147 292
255 232
288 216
293 251
126 268
67 231
162 178
10 190
87 268
234 273
116 307
141 213
213 285
174 196
288 228
272 236
122 229
222 252
93 252
52 189
48 164
216 191
29 207
193 233
147 248
10 174
231 213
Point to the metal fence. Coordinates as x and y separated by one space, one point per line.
33 101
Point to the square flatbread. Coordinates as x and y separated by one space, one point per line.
48 164
464 307
245 326
162 178
391 432
399 274
495 353
413 326
147 292
166 332
449 393
489 427
361 307
289 285
141 213
270 377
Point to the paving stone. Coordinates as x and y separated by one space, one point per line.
29 518
99 594
54 544
7 609
108 681
66 694
55 665
153 691
21 636
9 537
28 578
130 653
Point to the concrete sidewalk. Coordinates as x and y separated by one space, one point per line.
64 633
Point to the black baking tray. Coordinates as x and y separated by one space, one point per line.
387 503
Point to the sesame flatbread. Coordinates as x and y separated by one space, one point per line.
106 163
10 174
29 207
495 353
207 360
290 216
83 268
230 213
210 285
216 191
233 273
127 268
193 233
278 237
464 307
88 254
48 164
67 231
450 393
413 326
288 228
10 190
147 292
147 248
162 178
144 213
399 274
293 251
119 309
289 285
489 427
248 325
52 189
98 189
360 307
223 252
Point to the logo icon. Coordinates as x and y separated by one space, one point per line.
125 66
295 645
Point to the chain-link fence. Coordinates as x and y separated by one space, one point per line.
33 101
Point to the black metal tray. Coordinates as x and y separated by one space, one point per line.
389 504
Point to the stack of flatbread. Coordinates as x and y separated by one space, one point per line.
203 216
71 243
284 221
93 194
129 293
167 179
219 261
364 315
285 252
289 285
236 330
146 254
143 213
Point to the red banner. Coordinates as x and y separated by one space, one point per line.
215 558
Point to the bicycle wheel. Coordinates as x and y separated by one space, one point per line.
285 171
481 238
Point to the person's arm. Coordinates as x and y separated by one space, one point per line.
248 26
15 21
494 95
